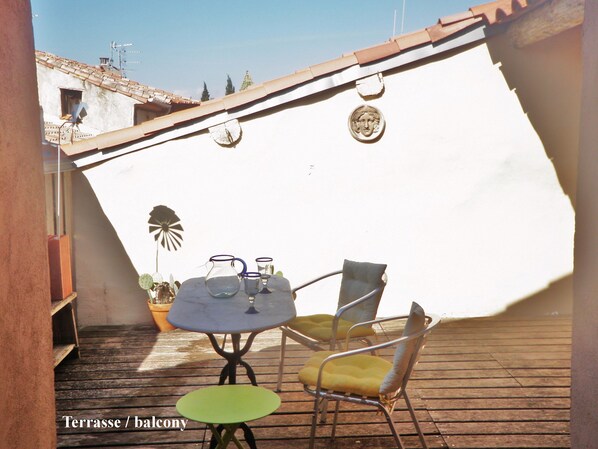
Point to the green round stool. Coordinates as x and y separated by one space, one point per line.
229 406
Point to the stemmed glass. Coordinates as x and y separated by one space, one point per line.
251 281
266 269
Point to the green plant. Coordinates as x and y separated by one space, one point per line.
158 290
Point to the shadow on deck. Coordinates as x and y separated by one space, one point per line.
499 382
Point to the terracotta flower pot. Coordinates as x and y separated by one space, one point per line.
159 313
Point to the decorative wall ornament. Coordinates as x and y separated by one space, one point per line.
226 134
366 123
371 86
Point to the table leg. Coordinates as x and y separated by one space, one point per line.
223 435
229 371
248 435
234 358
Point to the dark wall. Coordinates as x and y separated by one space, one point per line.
584 365
27 420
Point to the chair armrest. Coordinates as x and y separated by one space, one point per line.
432 321
369 323
313 281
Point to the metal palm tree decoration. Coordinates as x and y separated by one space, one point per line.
165 226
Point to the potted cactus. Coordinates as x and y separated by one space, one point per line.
165 226
161 294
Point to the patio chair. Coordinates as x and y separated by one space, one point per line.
361 289
365 379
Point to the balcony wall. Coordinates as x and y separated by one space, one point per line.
459 196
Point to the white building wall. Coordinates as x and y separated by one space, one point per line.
457 197
107 110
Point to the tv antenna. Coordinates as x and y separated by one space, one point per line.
394 25
118 57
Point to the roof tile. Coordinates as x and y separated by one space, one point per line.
377 52
438 32
285 82
455 18
81 146
182 116
101 77
105 140
125 135
206 108
158 124
244 96
66 134
411 40
334 65
498 10
140 98
493 12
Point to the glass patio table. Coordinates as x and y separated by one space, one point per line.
195 310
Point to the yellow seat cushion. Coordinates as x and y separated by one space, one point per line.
359 374
319 327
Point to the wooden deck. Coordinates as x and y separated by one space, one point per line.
481 383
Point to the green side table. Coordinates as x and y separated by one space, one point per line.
228 407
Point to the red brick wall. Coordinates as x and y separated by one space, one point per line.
27 418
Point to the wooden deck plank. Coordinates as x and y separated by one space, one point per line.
504 428
143 383
508 441
539 392
505 415
497 403
498 382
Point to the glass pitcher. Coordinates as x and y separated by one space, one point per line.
223 280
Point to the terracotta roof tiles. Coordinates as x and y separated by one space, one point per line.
377 52
51 133
491 13
288 81
108 79
455 18
496 11
407 41
246 96
439 31
333 65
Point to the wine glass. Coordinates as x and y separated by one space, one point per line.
251 281
266 269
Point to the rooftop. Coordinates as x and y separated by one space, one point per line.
431 39
109 79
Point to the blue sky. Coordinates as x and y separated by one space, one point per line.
182 43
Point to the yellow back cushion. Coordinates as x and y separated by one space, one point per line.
359 279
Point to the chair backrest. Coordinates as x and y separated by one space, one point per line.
407 352
360 278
